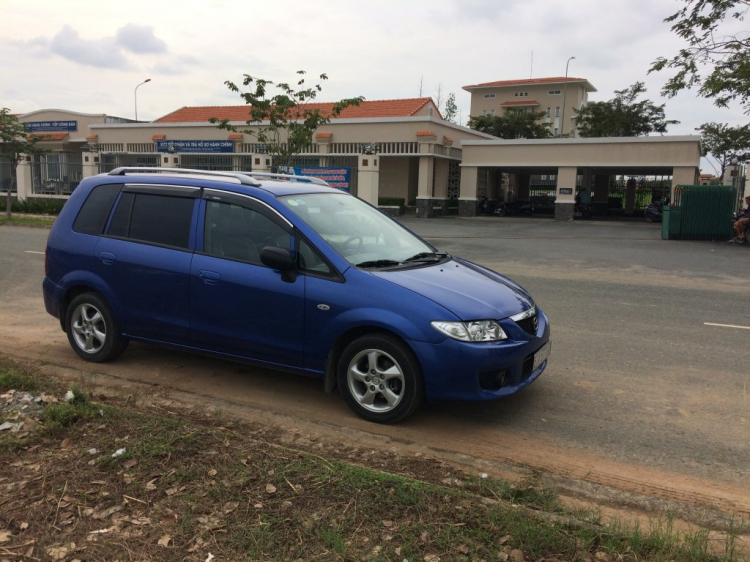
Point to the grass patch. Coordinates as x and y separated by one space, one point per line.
13 379
202 485
26 221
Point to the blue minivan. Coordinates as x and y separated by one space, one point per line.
289 273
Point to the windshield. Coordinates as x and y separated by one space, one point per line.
360 234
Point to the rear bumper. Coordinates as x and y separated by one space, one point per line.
53 295
458 371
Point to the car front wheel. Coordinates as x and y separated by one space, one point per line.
92 331
380 379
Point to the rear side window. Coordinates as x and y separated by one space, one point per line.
156 219
93 215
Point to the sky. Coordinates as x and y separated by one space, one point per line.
89 57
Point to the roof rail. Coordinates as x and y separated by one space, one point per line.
288 177
243 178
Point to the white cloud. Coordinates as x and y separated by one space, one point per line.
102 53
139 39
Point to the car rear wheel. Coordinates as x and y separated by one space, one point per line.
92 331
380 379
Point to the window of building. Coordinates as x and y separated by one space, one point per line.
554 92
156 219
557 111
484 112
492 112
521 94
488 96
555 131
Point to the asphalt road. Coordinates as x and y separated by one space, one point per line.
637 378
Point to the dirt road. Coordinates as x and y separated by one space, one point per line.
598 423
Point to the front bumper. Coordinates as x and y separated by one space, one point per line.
463 371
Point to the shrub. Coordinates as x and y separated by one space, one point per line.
38 206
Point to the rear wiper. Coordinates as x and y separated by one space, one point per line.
377 263
426 256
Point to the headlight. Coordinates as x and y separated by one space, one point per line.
478 330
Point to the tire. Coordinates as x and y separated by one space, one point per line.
398 389
500 211
92 331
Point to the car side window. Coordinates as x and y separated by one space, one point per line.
311 261
155 219
93 215
240 233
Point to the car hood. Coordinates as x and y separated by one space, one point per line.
468 290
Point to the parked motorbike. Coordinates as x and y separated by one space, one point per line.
514 208
583 211
653 211
485 206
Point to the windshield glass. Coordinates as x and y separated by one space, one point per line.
360 234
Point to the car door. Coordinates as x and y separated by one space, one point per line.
144 259
238 305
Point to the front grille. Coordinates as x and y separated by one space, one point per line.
527 367
493 380
529 325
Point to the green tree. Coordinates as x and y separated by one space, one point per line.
15 143
514 123
725 143
622 116
286 121
703 25
451 109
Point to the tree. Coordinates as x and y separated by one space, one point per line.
451 109
15 143
622 116
286 121
725 143
515 123
702 24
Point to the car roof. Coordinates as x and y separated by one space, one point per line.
278 185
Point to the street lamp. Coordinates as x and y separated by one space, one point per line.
565 95
135 95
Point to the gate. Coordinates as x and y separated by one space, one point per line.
56 173
699 212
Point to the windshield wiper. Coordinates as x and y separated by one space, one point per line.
426 256
378 263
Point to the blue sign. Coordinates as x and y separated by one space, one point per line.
48 126
335 177
195 146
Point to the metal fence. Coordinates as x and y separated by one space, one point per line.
647 188
5 176
220 162
57 173
700 212
110 161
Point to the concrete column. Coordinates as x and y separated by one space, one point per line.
424 187
169 160
684 175
24 189
601 189
261 162
524 183
440 192
566 188
90 164
324 141
368 181
467 197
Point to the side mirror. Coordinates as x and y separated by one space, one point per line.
280 259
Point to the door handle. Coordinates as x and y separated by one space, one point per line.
107 258
209 277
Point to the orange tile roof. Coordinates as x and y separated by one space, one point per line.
92 137
236 136
323 135
365 110
158 137
426 134
526 82
47 136
529 102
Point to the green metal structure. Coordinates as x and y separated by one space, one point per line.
699 212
